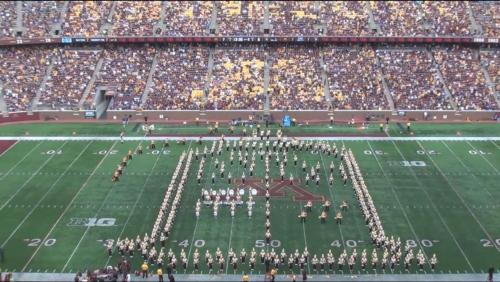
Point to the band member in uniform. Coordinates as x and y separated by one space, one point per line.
322 217
139 149
309 206
433 262
152 146
344 206
338 218
327 205
302 216
129 155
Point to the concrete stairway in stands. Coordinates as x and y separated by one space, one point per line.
491 84
372 24
41 88
267 77
107 28
475 27
91 83
56 29
210 68
19 19
324 79
446 90
385 85
265 21
149 82
213 21
3 106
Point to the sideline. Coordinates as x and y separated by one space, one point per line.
212 138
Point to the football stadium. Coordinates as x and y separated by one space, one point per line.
249 141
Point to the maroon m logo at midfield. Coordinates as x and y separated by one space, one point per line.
277 188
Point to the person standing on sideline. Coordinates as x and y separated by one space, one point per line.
145 268
245 277
159 271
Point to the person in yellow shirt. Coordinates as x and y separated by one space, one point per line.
145 268
246 278
159 272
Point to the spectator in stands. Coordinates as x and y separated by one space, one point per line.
352 78
236 18
69 77
449 18
186 18
412 79
135 18
293 18
344 18
461 71
7 18
39 17
295 81
237 78
179 79
85 18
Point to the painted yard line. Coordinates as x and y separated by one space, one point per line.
20 161
393 190
68 207
192 241
466 167
229 245
232 138
460 197
305 243
134 206
232 222
495 144
46 194
10 147
30 178
484 158
331 196
443 222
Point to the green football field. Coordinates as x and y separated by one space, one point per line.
58 205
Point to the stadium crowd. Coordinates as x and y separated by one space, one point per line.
286 18
183 80
295 79
179 79
69 77
352 78
460 67
237 78
413 81
237 18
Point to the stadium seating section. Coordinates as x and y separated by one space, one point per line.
235 76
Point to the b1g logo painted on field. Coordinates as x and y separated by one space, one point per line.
92 222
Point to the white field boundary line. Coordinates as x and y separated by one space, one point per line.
467 167
138 198
68 207
456 192
232 138
31 177
484 158
10 147
393 190
46 194
443 222
20 161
